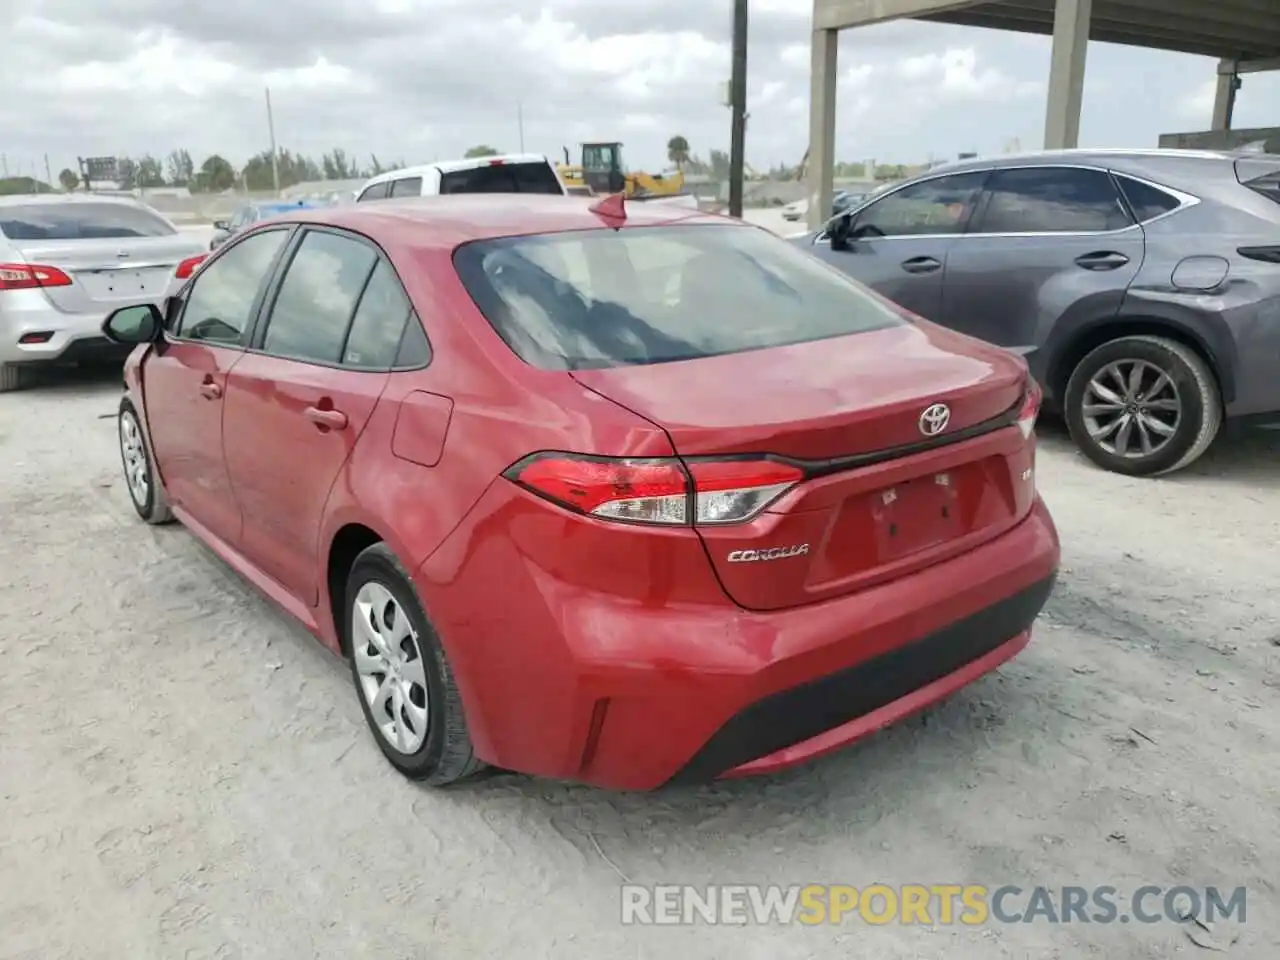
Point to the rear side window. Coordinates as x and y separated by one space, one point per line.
408 187
503 178
219 304
604 298
1052 200
81 221
377 191
1146 201
317 297
379 321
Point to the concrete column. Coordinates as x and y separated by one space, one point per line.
1066 73
822 126
1224 99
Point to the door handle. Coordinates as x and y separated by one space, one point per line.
921 265
1102 260
210 390
326 417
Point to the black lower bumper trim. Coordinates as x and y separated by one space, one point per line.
792 716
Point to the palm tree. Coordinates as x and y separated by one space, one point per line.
678 151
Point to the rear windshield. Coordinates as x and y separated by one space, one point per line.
604 298
503 178
80 221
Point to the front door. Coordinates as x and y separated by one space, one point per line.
898 245
185 380
1047 244
297 404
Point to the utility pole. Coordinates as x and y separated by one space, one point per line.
520 123
48 174
4 165
738 104
275 157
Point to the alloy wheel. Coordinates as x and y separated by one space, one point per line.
137 472
1131 408
389 667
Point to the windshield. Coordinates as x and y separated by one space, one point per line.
80 221
605 298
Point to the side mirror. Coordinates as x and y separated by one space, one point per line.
839 231
221 225
141 323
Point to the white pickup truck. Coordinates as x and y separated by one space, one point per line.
511 173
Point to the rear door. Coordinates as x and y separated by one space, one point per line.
184 379
1047 243
898 245
114 253
299 400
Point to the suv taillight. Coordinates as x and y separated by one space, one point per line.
28 276
661 490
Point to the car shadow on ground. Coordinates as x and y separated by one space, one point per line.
1246 458
81 379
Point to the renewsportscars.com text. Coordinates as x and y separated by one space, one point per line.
926 904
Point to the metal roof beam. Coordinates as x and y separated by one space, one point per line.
842 14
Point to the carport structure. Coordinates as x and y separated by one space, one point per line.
1243 34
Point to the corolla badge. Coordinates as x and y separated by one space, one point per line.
771 553
934 419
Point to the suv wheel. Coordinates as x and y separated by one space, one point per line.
1143 406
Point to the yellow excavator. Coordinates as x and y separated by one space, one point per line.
602 171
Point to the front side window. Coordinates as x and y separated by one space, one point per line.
601 298
407 187
81 221
1052 200
377 191
938 206
219 304
318 296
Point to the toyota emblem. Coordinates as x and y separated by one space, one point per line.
934 419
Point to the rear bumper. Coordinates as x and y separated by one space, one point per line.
633 695
66 337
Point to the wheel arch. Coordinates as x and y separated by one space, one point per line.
1086 339
347 543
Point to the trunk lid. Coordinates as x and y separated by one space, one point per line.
107 273
882 498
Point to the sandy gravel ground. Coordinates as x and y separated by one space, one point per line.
184 775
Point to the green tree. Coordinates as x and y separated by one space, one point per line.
483 150
216 174
678 151
19 185
720 164
180 168
150 172
69 179
126 173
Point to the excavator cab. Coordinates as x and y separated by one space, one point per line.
602 167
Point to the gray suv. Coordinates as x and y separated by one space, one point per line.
1142 286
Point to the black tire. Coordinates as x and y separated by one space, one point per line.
1200 414
154 507
446 754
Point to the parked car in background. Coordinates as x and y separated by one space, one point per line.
251 213
842 201
1142 286
513 173
66 261
521 460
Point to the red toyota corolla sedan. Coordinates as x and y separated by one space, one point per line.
592 491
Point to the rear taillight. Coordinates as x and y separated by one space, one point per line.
28 276
660 490
1030 409
188 266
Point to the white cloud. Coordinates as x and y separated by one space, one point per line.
419 79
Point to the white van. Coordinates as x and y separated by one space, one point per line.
512 173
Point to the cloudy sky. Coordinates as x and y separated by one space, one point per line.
424 79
